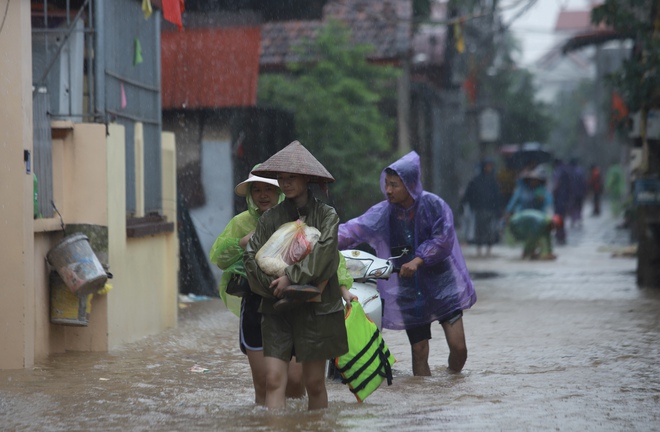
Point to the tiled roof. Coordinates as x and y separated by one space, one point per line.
573 20
384 24
210 67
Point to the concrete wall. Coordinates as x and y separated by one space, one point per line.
16 257
89 188
80 182
143 300
89 192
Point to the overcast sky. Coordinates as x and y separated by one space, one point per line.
534 27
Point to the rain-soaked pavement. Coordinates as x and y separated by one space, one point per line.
564 345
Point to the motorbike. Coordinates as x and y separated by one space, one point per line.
365 269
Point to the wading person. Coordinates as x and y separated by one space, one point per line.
433 283
531 192
562 195
595 185
534 228
312 331
227 253
578 182
482 195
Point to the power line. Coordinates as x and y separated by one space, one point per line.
4 16
533 30
521 12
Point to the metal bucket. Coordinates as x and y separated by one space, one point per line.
75 262
67 308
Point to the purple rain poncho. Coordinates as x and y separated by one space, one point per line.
442 285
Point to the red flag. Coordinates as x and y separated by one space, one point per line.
619 112
470 87
172 10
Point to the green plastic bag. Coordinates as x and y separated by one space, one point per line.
36 201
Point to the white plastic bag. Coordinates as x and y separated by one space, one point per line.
292 242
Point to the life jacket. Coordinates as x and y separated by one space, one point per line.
368 361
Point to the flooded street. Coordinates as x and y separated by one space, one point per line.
564 345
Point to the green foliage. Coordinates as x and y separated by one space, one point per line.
334 94
638 80
522 117
567 112
511 90
421 9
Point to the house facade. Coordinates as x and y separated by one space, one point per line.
82 79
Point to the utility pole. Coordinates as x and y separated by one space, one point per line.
403 106
452 117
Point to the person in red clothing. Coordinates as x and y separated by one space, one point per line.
595 184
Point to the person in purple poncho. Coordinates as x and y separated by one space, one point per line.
433 283
578 181
561 195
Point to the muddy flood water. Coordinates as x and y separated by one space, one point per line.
565 345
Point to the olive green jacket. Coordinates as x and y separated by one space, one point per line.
321 263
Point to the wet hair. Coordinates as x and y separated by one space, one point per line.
390 171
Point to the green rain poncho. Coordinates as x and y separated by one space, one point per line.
532 227
227 254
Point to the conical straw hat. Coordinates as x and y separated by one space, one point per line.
294 159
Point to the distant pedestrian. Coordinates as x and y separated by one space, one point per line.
484 200
506 179
595 185
578 192
561 195
615 188
531 192
534 229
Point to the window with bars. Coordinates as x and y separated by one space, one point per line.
98 61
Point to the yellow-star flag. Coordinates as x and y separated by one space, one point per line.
459 40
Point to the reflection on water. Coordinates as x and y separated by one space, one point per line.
540 375
568 345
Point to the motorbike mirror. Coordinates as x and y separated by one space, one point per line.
399 251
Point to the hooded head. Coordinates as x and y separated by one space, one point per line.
408 169
487 166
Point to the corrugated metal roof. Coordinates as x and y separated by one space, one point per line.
210 67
